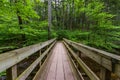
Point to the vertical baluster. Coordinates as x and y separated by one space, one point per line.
12 73
105 74
102 73
78 56
40 55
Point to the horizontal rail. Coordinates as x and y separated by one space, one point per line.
108 60
11 58
87 70
74 68
42 68
26 73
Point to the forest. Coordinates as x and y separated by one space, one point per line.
92 22
95 23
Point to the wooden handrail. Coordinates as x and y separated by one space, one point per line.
11 58
25 74
108 60
107 54
87 70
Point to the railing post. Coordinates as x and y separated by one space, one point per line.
102 73
12 73
105 74
47 48
78 54
40 55
115 69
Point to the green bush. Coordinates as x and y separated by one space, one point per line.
62 34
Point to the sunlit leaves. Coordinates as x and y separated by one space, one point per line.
25 10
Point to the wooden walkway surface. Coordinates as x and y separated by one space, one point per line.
58 66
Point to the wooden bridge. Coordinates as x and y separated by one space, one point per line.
65 60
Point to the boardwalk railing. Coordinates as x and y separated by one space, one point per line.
108 61
9 60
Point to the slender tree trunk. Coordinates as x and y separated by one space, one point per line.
21 27
20 22
49 19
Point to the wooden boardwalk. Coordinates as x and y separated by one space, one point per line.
58 66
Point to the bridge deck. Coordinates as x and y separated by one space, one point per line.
58 66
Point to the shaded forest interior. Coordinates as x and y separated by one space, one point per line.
92 22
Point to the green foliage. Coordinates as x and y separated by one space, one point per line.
73 35
86 21
3 73
62 34
98 40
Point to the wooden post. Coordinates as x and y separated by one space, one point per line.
40 55
47 47
105 74
102 73
78 56
115 70
108 75
12 73
116 73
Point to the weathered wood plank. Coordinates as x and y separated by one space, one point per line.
12 73
59 68
59 71
117 69
40 55
25 74
103 58
40 75
87 70
95 50
102 73
74 68
51 74
11 58
68 68
96 57
106 54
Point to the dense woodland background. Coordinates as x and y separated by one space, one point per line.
92 22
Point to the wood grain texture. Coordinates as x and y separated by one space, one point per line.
11 58
86 69
105 59
60 67
26 73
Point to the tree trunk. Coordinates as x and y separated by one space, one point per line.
49 19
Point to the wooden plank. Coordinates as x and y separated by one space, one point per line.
11 58
52 70
104 61
103 58
40 55
102 73
94 56
117 70
68 69
40 75
25 74
59 68
106 54
12 73
74 68
87 70
60 72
